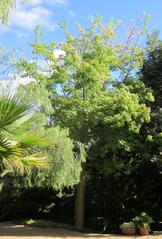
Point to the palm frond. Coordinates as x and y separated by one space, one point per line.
12 109
19 147
8 148
26 163
32 140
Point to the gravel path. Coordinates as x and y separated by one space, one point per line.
11 231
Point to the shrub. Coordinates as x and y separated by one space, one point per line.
127 225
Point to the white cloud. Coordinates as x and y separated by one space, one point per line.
22 80
47 2
58 53
35 2
31 13
3 28
29 18
11 85
54 2
71 13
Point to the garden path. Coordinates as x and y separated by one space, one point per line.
12 231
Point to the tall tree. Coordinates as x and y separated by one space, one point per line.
151 71
79 81
151 75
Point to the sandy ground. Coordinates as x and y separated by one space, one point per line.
11 231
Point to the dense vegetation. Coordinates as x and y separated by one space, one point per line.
86 132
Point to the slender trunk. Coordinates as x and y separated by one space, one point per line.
80 202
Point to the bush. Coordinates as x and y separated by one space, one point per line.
143 220
127 225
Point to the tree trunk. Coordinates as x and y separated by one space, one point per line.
79 202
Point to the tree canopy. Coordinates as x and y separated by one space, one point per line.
83 93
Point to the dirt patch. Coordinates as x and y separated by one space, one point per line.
12 231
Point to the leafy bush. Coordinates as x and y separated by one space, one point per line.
127 225
143 220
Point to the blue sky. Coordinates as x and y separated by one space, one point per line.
47 13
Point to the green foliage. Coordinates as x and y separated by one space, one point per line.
151 77
5 9
7 62
84 96
17 142
79 84
127 225
143 220
39 96
136 86
65 165
151 73
39 223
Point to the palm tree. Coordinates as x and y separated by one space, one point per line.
20 147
